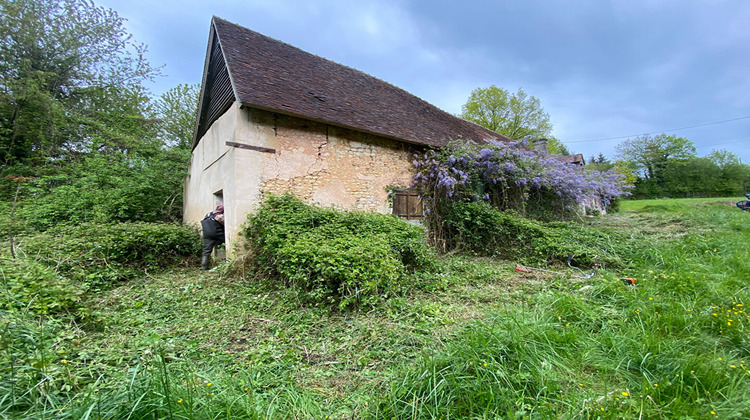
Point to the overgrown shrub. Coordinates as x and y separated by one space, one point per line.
350 258
509 177
99 254
28 284
480 228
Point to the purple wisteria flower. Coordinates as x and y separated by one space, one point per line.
506 173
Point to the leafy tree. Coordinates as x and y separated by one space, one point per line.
724 158
76 115
512 115
602 164
176 110
556 147
61 63
651 154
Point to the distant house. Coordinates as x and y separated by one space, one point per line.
273 118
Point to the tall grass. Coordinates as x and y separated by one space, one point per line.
675 345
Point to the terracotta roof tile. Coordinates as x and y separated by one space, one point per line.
576 159
271 75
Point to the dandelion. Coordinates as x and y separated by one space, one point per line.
714 314
637 310
179 401
246 388
720 358
580 384
208 384
733 366
567 325
650 298
677 375
656 385
713 412
625 394
485 365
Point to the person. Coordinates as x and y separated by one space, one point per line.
213 234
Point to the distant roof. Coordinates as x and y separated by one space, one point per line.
260 72
576 159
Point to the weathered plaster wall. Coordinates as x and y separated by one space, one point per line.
319 163
335 166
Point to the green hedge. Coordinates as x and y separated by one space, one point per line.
99 254
349 258
482 229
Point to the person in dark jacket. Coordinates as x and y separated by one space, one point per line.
213 234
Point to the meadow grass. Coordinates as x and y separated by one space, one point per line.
483 342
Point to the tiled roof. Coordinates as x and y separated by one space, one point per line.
268 74
576 159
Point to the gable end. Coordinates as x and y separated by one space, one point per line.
217 92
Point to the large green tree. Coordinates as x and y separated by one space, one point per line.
64 64
651 154
512 115
75 113
176 111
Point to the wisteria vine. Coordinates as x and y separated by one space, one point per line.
511 176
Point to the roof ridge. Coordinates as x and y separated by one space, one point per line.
270 74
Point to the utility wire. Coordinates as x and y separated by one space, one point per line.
660 131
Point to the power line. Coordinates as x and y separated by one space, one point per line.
660 131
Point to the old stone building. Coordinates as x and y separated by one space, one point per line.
273 118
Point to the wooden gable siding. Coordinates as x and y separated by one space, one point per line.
218 93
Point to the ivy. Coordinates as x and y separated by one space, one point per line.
351 259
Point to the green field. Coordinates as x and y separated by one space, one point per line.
481 341
679 204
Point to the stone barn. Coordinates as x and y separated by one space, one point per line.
273 118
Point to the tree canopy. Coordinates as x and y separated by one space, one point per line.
651 153
667 166
512 115
75 113
176 111
65 66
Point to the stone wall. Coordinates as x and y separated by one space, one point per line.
317 162
335 166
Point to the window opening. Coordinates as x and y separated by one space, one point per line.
408 204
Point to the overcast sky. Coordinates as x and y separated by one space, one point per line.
601 69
